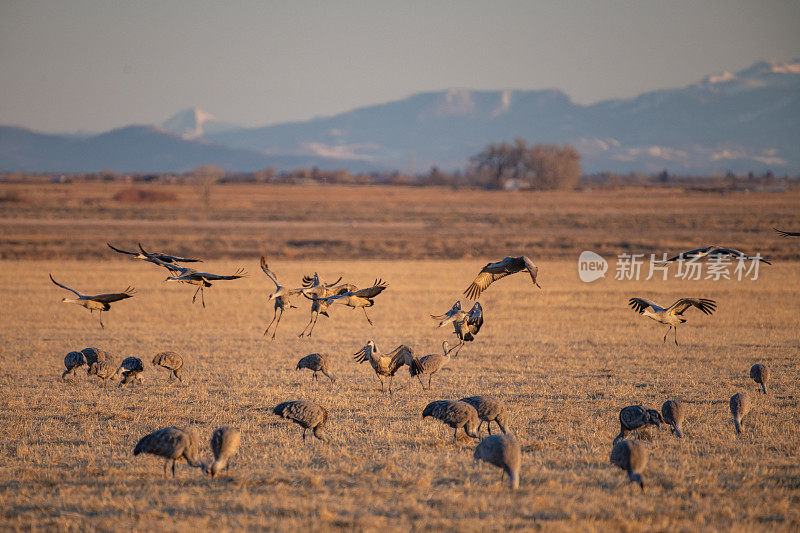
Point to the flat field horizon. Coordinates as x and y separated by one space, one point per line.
565 359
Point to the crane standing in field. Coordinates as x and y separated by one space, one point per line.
465 324
760 374
672 315
362 298
100 302
631 456
633 417
503 451
740 406
281 297
384 365
673 413
224 445
498 270
312 286
490 409
429 364
173 444
172 361
307 415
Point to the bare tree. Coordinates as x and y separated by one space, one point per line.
205 177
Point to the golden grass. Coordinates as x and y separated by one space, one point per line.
565 359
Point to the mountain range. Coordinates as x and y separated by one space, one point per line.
741 122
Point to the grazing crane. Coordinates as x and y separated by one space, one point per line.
130 368
673 413
312 286
384 365
318 363
503 451
633 417
465 324
631 456
787 233
672 315
429 364
740 406
171 361
494 271
490 409
281 297
150 256
362 298
193 277
760 374
224 445
173 444
713 251
100 302
103 370
307 415
93 355
72 361
456 414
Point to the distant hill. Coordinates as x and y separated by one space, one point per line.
747 121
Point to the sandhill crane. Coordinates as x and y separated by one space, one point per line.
281 297
173 444
150 256
224 445
490 409
456 414
130 368
673 413
465 324
633 417
429 364
103 370
100 302
312 286
713 251
171 361
760 374
193 277
787 233
740 406
317 362
384 365
672 315
504 452
93 355
631 456
72 361
307 415
361 298
494 271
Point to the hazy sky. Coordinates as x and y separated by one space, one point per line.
71 65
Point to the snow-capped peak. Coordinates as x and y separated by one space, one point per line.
193 122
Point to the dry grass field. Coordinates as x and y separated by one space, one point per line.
565 359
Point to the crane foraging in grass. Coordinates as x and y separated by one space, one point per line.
504 452
224 445
99 302
173 444
631 456
307 415
672 315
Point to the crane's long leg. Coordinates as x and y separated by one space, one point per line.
676 335
455 436
667 333
310 321
166 464
202 296
274 331
420 382
429 381
173 469
194 296
391 378
101 319
304 434
274 316
366 315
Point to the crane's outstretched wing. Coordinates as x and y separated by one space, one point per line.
121 251
453 310
167 257
214 277
269 272
787 233
730 252
65 287
494 271
704 304
402 355
169 266
640 304
475 318
691 254
370 292
115 296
